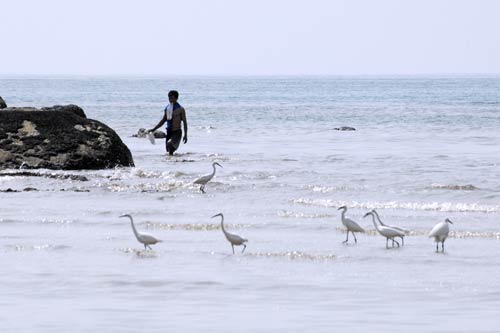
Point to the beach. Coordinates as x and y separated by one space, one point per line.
425 148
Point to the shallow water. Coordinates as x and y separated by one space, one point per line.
425 149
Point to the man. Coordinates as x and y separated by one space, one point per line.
173 115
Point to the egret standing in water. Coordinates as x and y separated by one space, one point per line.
404 231
232 238
142 237
387 232
205 179
350 225
440 233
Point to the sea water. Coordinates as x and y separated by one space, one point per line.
424 149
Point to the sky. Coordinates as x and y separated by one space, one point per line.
249 37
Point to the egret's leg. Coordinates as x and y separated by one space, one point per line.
145 248
387 242
437 246
347 239
202 188
244 247
392 242
396 242
355 240
402 241
442 245
232 247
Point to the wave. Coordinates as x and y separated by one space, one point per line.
140 253
44 247
288 214
195 226
293 255
329 189
417 206
453 187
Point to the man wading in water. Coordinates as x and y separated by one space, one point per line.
174 114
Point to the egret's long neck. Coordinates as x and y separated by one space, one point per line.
373 220
213 173
133 226
342 215
378 218
222 225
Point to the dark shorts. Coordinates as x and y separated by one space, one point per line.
173 140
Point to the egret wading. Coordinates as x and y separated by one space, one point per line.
142 237
232 238
350 225
440 233
404 231
205 179
387 232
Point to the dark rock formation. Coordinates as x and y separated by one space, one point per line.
3 105
143 132
58 138
344 128
70 108
45 175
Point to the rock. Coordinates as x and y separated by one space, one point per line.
70 108
3 105
9 190
46 175
60 137
29 189
143 132
344 128
75 109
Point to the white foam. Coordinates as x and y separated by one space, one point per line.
419 206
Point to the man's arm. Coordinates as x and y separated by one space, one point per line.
184 121
162 121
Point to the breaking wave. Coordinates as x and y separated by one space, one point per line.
453 187
417 206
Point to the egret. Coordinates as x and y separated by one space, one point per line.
232 238
387 232
440 233
405 231
142 237
205 179
350 225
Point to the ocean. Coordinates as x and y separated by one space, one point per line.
425 148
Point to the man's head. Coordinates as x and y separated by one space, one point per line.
173 95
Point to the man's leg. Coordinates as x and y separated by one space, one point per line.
167 139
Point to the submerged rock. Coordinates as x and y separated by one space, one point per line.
344 128
59 137
45 175
3 105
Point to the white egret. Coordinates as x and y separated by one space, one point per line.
142 237
350 225
232 238
387 232
205 179
405 231
440 233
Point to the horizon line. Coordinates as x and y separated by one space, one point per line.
136 75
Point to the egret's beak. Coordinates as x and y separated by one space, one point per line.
124 215
450 221
369 213
341 208
215 215
219 164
